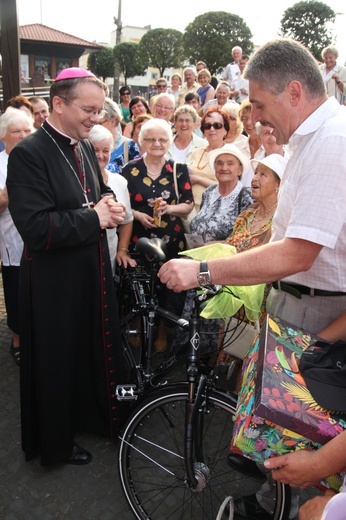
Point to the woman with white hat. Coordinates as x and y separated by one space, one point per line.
252 226
222 202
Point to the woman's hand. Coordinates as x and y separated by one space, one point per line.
123 258
144 219
163 207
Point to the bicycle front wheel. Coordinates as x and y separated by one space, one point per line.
152 466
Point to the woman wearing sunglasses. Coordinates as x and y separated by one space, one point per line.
214 127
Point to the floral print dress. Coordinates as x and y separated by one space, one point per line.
143 191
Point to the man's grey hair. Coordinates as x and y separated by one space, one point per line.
281 61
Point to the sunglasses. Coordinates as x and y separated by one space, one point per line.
216 126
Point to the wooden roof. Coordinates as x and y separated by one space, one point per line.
41 33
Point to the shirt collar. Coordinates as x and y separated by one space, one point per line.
329 108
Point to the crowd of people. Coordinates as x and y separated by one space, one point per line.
256 159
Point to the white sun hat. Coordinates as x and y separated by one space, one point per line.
274 161
229 149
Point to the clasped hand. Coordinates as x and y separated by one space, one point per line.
110 213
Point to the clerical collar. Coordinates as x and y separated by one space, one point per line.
71 139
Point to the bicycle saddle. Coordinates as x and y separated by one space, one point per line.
154 249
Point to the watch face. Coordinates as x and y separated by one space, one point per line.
204 279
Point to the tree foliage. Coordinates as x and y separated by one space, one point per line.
307 22
127 58
211 37
162 48
101 63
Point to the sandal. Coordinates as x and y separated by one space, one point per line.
15 353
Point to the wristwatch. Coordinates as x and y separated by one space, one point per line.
203 277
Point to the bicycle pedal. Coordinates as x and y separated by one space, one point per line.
126 392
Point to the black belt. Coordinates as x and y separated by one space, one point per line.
297 290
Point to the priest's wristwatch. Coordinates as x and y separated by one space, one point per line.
203 277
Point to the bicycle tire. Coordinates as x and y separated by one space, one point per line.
151 461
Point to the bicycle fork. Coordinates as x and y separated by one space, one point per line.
197 473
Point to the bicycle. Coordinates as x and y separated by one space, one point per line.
174 446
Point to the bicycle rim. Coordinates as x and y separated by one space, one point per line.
151 461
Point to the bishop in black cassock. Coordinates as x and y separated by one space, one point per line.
71 356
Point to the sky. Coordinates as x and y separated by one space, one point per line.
93 21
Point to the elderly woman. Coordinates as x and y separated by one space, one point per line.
157 208
155 204
185 140
138 107
15 125
215 127
235 135
124 149
164 106
102 140
222 202
252 227
206 91
222 96
334 75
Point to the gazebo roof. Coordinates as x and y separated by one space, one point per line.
41 33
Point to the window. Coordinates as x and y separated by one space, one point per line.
62 63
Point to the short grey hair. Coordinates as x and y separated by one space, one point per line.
186 109
159 98
223 84
112 110
190 68
98 133
280 61
330 49
155 124
13 116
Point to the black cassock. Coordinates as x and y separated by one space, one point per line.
71 356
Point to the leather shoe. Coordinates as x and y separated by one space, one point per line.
247 508
78 456
243 465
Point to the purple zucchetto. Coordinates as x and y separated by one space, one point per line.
74 73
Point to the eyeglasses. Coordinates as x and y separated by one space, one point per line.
161 86
152 140
216 126
162 107
126 94
182 121
87 110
